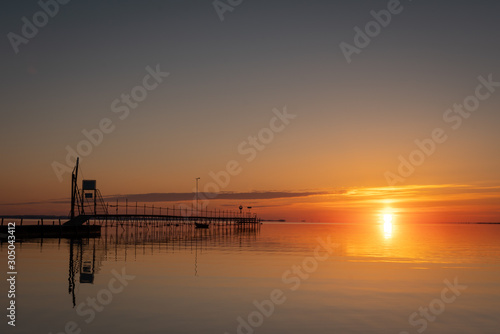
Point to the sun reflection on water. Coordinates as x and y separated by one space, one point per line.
387 225
387 230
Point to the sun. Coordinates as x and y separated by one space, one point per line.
387 218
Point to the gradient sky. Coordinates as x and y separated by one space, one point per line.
353 120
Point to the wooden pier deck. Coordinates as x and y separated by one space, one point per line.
91 224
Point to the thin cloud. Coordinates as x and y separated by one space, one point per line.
179 197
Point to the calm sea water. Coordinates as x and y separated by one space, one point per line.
275 278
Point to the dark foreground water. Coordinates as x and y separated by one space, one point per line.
275 278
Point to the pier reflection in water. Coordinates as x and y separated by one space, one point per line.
122 240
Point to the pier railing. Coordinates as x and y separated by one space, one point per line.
120 208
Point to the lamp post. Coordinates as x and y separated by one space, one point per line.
197 195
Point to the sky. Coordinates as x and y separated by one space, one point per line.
305 110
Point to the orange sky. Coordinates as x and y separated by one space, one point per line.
169 93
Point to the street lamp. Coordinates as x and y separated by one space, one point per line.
197 207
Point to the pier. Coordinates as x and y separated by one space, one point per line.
89 213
